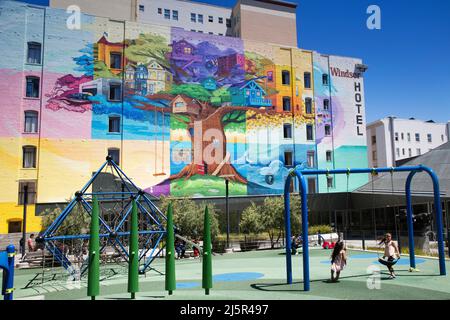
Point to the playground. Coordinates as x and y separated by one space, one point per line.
129 252
258 275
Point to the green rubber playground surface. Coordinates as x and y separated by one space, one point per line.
255 275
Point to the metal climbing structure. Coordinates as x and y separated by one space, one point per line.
67 236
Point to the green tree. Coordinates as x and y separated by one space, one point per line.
147 47
272 218
188 216
251 220
220 96
195 91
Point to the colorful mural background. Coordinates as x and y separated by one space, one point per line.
182 98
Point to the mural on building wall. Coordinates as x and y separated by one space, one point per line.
188 110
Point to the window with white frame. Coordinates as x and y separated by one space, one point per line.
175 15
34 53
114 124
329 156
429 137
326 105
210 19
287 131
115 92
114 153
308 105
200 18
327 130
32 89
28 157
193 17
166 14
31 122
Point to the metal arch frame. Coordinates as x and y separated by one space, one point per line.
146 207
300 174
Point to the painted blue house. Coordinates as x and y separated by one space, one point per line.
209 83
249 94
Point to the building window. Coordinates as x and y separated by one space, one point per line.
328 156
309 132
374 139
408 137
286 103
311 185
166 14
396 136
34 53
28 157
175 15
114 92
409 152
326 105
15 226
220 34
310 156
114 153
114 124
32 87
159 9
307 80
193 17
397 151
30 187
418 151
403 151
288 158
210 19
220 20
116 60
285 77
403 136
308 105
31 122
325 79
287 131
228 21
327 130
429 137
200 18
329 182
417 137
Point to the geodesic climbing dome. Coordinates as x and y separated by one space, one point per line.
67 237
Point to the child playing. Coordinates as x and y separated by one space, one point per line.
338 260
390 252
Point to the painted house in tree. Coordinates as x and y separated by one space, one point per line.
186 105
184 51
111 54
209 83
149 79
249 94
227 63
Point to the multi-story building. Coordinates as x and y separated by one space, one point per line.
391 140
218 106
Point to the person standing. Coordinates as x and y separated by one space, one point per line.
31 244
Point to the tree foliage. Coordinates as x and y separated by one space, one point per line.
147 47
188 216
195 91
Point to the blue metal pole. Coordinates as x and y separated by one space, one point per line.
9 273
409 220
305 246
287 227
438 210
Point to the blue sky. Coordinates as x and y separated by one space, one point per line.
408 59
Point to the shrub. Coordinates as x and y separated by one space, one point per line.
322 228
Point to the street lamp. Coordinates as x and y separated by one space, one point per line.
227 208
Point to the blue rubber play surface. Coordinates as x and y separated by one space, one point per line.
224 277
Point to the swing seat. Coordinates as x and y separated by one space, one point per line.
388 263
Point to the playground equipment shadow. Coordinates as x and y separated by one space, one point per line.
258 275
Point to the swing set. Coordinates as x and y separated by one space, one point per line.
301 176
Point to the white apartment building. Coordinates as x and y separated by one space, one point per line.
191 16
391 139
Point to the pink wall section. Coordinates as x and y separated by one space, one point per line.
56 123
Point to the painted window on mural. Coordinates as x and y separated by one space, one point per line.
285 77
309 132
326 105
286 103
34 53
30 187
114 153
288 158
29 157
114 124
32 90
287 131
116 60
329 182
308 105
31 122
307 80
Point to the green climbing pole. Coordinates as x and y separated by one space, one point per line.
207 282
170 252
133 256
93 289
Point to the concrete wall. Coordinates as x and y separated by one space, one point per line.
114 9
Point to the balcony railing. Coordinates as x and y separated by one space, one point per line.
259 102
